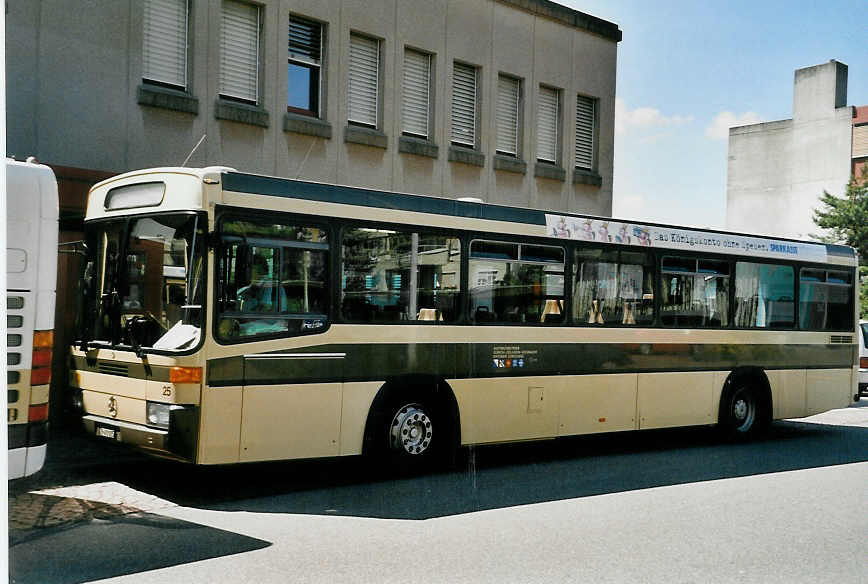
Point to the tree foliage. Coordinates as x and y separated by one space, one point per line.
845 220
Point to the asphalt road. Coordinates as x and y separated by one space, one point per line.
675 506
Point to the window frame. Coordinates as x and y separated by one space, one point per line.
257 98
766 262
378 82
519 106
338 289
476 109
154 80
589 132
854 278
309 63
556 123
474 237
429 102
229 213
654 270
695 257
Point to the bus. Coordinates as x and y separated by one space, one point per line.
31 276
234 317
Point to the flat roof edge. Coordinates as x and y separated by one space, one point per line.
568 16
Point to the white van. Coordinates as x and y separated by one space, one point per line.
863 357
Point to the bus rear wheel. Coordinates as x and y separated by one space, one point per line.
742 412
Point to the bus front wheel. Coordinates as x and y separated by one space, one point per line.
414 434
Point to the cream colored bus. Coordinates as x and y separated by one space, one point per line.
235 317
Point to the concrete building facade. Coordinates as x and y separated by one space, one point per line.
777 171
81 95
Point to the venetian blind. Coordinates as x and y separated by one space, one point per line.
507 115
164 50
585 132
547 125
239 51
464 104
363 79
417 83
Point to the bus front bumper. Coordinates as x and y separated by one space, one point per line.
133 434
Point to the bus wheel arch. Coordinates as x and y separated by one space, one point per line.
745 407
413 421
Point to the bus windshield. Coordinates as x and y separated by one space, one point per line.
144 283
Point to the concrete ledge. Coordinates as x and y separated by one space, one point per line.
552 171
418 146
568 16
365 136
240 112
586 177
466 156
509 164
306 125
170 99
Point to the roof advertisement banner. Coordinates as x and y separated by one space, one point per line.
614 232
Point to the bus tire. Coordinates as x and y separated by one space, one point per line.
743 411
412 432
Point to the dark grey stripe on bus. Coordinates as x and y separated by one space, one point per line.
375 362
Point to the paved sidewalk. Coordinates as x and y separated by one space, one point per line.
53 497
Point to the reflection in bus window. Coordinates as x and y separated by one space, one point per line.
273 280
390 275
825 300
694 293
516 283
613 287
764 296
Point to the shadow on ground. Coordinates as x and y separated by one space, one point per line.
486 477
116 544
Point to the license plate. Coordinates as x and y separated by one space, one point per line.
107 432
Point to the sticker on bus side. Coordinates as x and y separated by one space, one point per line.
602 231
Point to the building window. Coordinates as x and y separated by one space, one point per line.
508 96
586 135
304 69
464 105
239 52
417 89
164 50
363 87
548 116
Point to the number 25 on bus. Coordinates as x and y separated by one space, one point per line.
233 317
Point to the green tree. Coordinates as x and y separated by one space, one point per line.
845 220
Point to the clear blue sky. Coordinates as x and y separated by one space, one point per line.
687 70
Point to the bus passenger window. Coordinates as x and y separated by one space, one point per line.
389 275
764 296
694 293
613 287
516 283
272 280
825 300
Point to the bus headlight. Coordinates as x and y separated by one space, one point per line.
158 414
